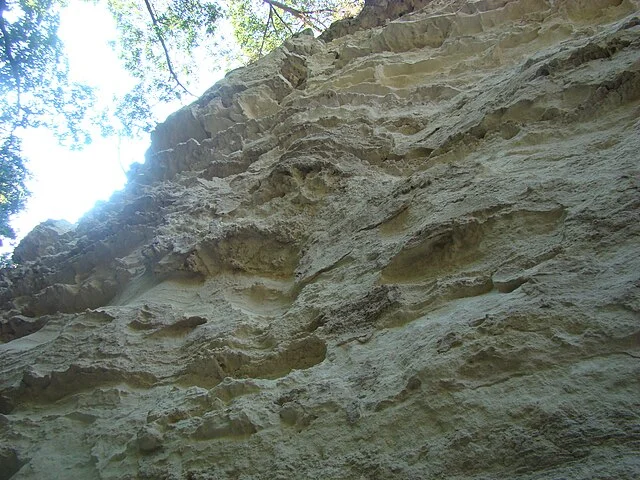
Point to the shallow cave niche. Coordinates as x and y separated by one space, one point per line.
69 298
428 255
249 250
18 326
306 179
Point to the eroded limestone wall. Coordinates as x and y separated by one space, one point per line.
408 249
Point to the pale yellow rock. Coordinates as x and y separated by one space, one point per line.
407 249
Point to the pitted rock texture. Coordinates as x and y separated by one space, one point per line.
408 249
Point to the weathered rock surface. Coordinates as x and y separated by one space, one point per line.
408 249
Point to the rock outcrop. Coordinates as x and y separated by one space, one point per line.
407 249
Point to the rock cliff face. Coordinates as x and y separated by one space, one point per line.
408 249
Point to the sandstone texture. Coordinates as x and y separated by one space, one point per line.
406 249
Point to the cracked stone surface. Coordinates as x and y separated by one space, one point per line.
406 249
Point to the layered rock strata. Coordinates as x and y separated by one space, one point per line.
407 249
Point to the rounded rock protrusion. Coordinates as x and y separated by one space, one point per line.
149 440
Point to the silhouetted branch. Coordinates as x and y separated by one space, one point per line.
302 15
281 20
158 31
266 29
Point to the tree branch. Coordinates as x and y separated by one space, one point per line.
302 15
286 8
266 29
281 21
156 29
321 23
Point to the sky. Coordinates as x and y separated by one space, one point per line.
66 184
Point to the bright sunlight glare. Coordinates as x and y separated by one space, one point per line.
66 184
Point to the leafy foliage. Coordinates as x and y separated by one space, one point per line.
261 25
12 178
35 91
157 44
34 86
159 40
